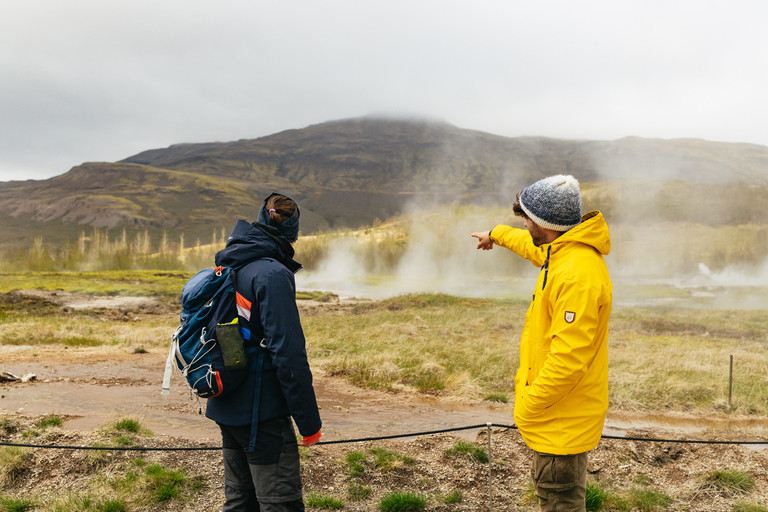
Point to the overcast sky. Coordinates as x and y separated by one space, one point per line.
96 80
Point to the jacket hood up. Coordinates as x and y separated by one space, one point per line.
592 231
249 242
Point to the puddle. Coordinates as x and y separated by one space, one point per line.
83 301
682 423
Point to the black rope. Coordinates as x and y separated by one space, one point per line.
654 440
365 439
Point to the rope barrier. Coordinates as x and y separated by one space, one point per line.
366 439
414 434
654 440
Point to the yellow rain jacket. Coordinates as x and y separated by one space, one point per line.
561 388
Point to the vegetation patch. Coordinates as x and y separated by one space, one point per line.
357 492
15 462
49 421
387 460
645 500
323 501
595 497
743 506
356 461
454 496
164 484
497 397
88 503
470 450
134 283
8 425
13 504
727 481
402 502
129 425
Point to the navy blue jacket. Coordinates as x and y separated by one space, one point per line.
267 307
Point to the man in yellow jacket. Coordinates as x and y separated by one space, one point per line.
561 388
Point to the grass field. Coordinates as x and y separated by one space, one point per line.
661 357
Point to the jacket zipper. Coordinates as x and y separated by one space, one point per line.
545 268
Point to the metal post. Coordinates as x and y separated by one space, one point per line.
730 383
490 475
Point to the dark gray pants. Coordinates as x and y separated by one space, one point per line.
268 479
560 481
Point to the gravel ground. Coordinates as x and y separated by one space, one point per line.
675 469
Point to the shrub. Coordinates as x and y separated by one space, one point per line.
467 449
323 501
402 502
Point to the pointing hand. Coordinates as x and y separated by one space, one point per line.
484 241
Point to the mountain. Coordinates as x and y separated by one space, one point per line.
347 173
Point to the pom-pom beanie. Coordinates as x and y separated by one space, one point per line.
553 203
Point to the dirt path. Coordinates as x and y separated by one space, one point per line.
92 386
97 385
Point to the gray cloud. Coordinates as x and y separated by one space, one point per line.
88 80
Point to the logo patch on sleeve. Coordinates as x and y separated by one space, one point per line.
570 316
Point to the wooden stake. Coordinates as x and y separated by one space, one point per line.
730 383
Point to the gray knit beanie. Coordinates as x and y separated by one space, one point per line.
553 203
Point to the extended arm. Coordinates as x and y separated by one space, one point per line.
514 239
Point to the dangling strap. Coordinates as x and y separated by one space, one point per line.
169 366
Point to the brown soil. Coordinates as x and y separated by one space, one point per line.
90 387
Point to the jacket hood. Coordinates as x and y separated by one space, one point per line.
249 242
592 231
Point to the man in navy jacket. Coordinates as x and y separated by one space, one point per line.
261 460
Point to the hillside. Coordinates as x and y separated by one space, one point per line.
350 172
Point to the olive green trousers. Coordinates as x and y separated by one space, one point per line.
560 481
